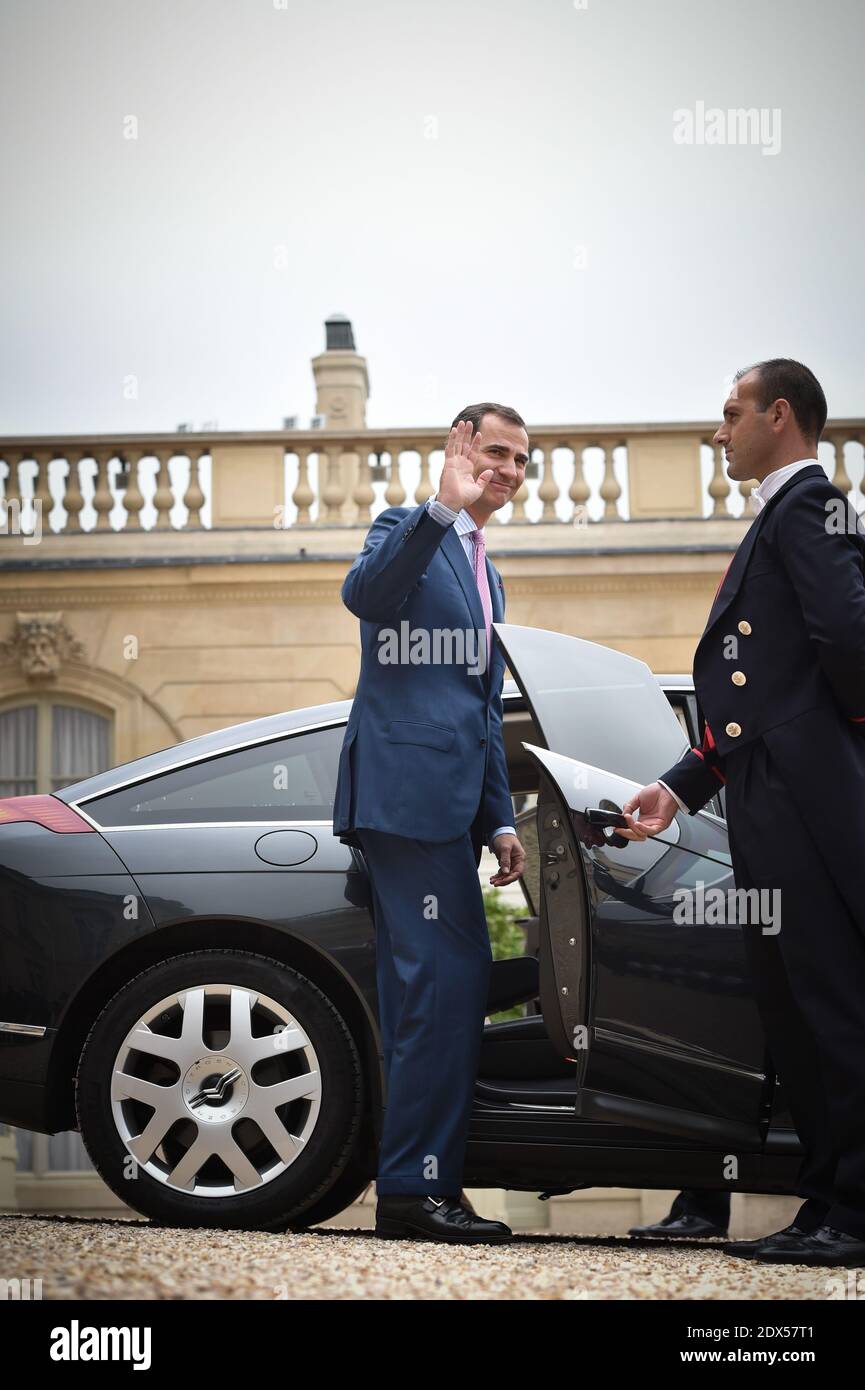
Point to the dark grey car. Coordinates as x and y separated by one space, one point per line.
188 969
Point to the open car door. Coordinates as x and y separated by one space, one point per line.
644 984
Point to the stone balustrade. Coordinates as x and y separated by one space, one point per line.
334 478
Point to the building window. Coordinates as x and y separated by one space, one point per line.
46 744
18 751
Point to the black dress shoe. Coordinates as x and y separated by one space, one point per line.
778 1241
414 1217
680 1228
825 1246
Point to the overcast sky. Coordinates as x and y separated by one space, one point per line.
492 192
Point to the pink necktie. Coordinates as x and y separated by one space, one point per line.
482 579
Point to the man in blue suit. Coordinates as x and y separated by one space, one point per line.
422 783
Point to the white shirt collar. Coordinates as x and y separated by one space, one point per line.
773 481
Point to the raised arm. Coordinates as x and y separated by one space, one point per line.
399 547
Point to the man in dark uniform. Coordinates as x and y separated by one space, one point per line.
780 675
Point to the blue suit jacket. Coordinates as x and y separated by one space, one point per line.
423 751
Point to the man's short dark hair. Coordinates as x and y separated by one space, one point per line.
780 378
475 413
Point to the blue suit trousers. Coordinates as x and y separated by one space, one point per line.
433 959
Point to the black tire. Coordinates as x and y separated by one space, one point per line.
308 1179
351 1184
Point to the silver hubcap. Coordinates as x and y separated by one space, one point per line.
216 1090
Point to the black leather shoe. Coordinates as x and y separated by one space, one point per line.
825 1246
779 1241
680 1228
413 1217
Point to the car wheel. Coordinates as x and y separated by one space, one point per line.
220 1088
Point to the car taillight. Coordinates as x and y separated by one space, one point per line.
49 811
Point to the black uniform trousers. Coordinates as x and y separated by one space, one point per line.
809 978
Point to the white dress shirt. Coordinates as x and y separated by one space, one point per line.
758 499
773 481
463 524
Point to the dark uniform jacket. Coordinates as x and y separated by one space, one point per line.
784 649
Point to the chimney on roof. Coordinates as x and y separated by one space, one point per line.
338 334
341 378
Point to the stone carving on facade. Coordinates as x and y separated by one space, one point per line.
40 643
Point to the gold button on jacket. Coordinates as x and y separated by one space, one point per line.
734 730
745 627
738 678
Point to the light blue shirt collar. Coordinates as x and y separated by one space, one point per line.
465 523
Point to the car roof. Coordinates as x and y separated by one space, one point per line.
251 731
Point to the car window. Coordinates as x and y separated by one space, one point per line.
718 804
285 779
678 708
527 830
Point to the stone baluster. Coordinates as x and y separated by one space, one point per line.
745 490
549 489
424 488
41 490
364 493
719 486
133 497
73 498
840 478
163 500
395 493
193 497
11 517
518 515
333 495
610 487
102 499
303 495
579 490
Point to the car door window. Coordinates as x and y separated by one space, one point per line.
283 780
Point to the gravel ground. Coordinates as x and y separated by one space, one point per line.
91 1259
